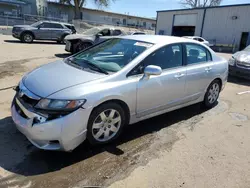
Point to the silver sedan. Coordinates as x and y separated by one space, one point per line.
95 93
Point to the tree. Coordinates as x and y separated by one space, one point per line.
78 4
200 3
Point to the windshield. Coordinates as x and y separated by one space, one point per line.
247 48
111 55
92 31
36 24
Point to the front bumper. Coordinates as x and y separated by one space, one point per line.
239 72
64 133
16 35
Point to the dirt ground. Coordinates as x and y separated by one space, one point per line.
185 148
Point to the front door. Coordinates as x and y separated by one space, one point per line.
200 71
166 90
43 31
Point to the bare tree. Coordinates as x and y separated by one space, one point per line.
78 4
200 3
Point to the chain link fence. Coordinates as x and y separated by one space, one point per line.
7 22
82 25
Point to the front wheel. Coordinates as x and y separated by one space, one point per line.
62 41
212 94
105 123
27 38
79 46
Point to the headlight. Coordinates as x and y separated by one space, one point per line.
53 104
231 61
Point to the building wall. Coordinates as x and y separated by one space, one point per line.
220 26
38 7
58 10
112 18
14 10
165 20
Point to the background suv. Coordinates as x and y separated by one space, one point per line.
43 30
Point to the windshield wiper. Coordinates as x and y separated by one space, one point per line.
96 67
71 61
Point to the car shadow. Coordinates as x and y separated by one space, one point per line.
238 80
34 42
64 55
37 161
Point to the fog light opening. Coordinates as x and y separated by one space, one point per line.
53 142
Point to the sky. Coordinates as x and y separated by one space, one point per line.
148 8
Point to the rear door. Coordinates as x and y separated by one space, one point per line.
200 70
57 30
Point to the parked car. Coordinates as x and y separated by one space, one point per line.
78 42
43 30
239 64
123 80
137 33
200 39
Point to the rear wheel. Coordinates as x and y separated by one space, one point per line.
105 123
212 94
27 38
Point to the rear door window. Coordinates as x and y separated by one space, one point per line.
117 32
55 25
196 54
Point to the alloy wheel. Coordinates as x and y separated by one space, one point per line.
213 93
28 38
106 125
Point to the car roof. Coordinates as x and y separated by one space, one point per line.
64 23
157 39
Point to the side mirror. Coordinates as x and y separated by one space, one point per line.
38 27
98 35
152 70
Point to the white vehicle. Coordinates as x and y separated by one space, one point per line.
200 39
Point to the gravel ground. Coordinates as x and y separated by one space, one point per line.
185 148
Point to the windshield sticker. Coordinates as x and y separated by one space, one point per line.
143 44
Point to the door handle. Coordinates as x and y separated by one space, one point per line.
208 69
178 76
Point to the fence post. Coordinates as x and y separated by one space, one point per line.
7 22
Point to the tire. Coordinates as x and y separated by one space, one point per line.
27 37
106 123
61 41
212 94
79 46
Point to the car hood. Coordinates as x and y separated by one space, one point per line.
243 56
23 26
79 36
54 77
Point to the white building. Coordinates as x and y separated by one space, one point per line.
61 11
226 27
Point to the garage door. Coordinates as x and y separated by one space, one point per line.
185 20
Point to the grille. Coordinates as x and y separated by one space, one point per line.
28 100
243 64
25 99
19 111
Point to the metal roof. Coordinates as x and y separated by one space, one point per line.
200 8
13 2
